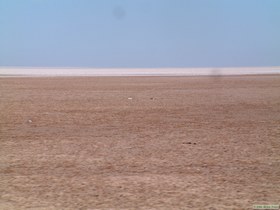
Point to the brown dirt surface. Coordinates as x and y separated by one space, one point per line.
179 143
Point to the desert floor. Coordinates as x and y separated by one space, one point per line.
179 143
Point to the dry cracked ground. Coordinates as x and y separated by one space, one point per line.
139 142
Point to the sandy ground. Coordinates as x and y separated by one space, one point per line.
179 143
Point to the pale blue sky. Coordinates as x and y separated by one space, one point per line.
139 33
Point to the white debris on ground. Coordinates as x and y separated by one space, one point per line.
30 121
152 98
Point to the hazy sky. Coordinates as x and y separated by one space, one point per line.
139 33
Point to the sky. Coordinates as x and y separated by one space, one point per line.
139 33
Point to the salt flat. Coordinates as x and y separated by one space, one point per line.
10 71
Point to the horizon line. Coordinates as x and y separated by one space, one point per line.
88 67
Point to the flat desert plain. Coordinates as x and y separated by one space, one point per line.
139 142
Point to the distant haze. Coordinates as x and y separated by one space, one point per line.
139 33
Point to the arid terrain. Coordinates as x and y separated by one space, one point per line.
139 142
